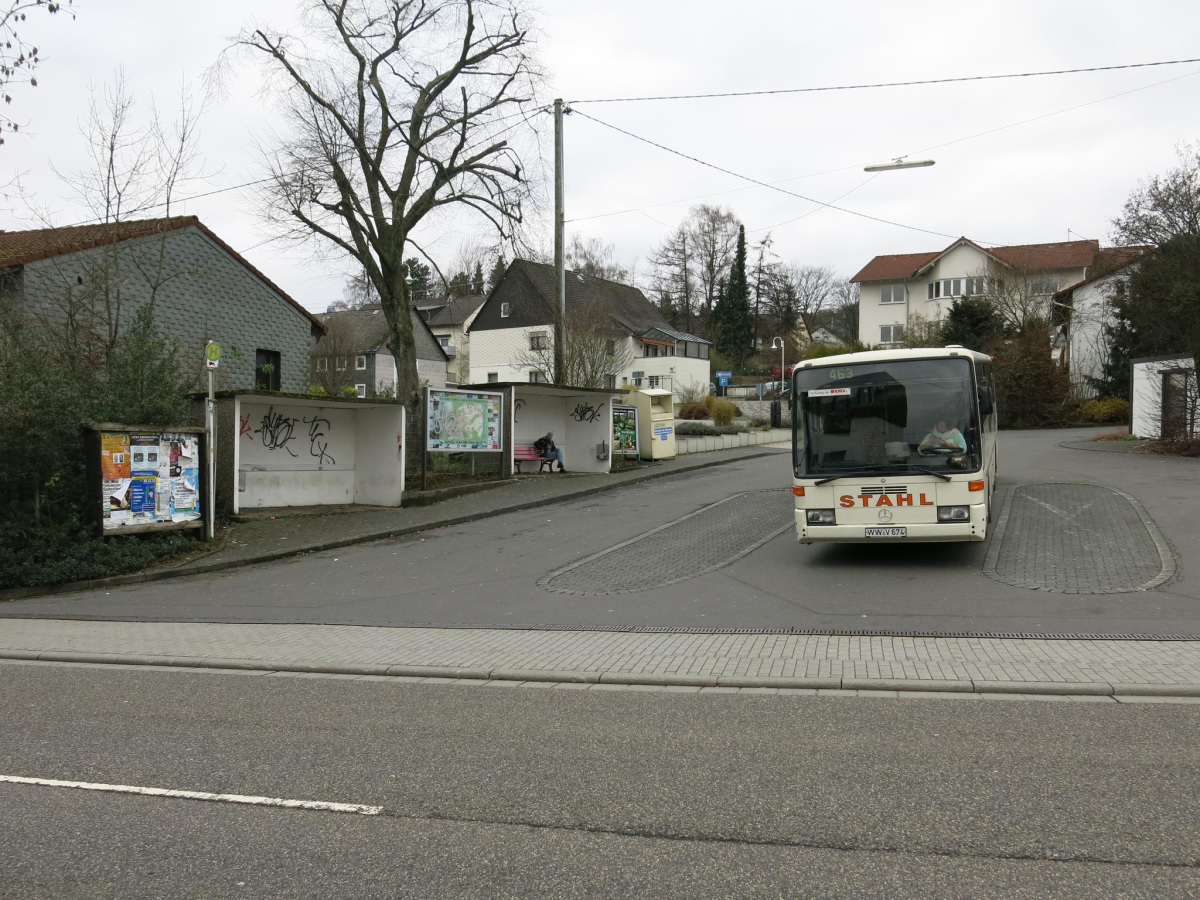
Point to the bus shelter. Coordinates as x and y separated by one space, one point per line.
580 419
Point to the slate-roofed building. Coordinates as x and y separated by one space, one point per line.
512 334
99 276
450 323
353 353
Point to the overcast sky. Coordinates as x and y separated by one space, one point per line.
1018 161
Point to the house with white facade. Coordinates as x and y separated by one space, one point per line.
512 335
1087 308
449 323
1064 283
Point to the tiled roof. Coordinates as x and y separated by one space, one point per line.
896 266
1041 257
18 248
1109 260
1030 257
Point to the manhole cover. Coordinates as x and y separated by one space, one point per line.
700 542
1077 539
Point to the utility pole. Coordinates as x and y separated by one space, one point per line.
560 332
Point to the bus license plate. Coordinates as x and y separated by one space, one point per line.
887 532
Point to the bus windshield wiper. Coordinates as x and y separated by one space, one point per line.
889 467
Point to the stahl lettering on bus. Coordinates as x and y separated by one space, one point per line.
846 501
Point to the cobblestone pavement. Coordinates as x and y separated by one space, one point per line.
700 542
1077 539
1087 667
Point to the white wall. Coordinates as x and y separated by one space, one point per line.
495 349
1088 353
1147 394
293 452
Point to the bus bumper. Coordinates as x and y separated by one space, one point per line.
973 530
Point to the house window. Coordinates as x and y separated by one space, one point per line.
361 390
505 309
266 370
891 293
341 364
947 287
536 377
493 377
610 382
444 340
1040 286
891 334
610 348
323 364
538 340
360 363
653 381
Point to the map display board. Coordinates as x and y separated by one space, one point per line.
149 478
464 420
624 439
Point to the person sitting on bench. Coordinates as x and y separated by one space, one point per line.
546 449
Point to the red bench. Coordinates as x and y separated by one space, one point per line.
523 454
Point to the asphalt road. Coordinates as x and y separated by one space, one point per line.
497 572
494 792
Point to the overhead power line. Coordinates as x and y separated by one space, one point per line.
889 84
766 184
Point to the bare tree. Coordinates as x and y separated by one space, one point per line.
844 312
398 110
713 233
920 332
673 281
1020 295
19 59
813 288
1163 206
596 348
595 258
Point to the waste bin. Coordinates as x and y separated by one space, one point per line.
656 415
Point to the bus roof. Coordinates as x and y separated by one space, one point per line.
874 356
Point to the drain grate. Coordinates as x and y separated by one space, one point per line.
708 539
823 632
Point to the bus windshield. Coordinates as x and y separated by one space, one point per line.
905 415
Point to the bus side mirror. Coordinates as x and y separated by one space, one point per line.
985 404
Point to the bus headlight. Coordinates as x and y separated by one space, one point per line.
954 513
820 517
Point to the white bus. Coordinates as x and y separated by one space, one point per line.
894 445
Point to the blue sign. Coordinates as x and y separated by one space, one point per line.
723 378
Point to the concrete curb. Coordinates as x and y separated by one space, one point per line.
460 673
205 568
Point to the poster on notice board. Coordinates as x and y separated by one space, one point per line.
149 478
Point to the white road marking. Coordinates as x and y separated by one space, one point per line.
321 805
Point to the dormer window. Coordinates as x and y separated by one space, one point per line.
505 309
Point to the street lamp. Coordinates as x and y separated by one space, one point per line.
782 368
899 163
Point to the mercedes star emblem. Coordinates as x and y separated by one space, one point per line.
885 515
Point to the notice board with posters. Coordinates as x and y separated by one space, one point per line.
625 431
146 479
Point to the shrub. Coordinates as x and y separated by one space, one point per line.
703 429
709 400
1103 411
692 411
723 412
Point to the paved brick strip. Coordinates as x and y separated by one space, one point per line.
979 665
